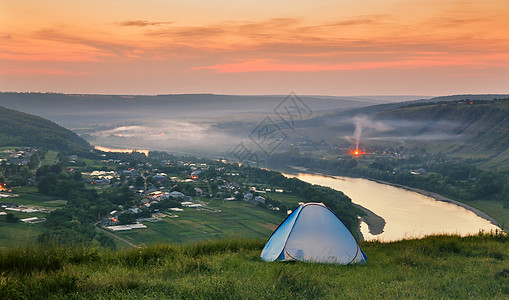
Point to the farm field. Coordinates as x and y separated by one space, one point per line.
236 219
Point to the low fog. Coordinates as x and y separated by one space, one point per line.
216 124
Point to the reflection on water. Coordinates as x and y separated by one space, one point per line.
407 214
106 149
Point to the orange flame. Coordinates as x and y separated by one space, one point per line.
357 152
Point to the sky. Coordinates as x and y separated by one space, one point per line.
320 47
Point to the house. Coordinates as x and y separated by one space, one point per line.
198 191
259 199
418 171
160 176
248 196
33 220
164 196
108 222
195 174
156 194
134 210
176 194
102 181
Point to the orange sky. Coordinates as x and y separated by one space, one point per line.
334 47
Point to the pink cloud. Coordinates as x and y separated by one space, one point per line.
268 65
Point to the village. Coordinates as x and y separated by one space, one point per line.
159 195
160 188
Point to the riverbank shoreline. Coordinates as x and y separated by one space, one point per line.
376 224
432 195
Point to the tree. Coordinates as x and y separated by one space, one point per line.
11 218
140 182
34 161
47 183
127 218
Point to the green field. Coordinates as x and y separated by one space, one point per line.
29 195
291 201
18 234
236 219
50 158
93 163
438 267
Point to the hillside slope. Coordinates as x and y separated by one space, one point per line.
436 267
476 129
21 129
466 126
76 109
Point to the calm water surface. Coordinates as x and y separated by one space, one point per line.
407 214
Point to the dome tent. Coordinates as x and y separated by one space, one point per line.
313 233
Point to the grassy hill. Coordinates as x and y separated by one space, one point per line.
436 267
466 129
21 129
464 126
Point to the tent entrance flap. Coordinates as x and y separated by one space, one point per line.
274 247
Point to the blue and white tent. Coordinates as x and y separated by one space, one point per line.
313 233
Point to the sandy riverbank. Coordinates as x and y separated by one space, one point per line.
376 224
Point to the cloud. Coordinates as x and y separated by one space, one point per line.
370 20
414 62
454 21
141 23
93 41
363 42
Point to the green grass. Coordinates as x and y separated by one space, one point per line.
236 219
94 163
50 158
16 234
291 201
29 195
438 267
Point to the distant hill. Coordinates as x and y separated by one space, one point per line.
71 110
467 128
21 129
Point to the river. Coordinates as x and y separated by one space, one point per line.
121 150
407 214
